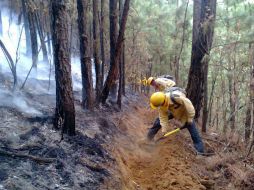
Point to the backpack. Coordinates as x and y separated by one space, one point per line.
172 89
167 77
172 95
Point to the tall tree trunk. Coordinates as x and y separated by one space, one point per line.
182 43
49 43
33 35
211 100
123 69
27 30
96 44
203 28
102 27
232 91
120 89
113 37
224 107
205 107
85 59
42 37
249 114
112 76
65 111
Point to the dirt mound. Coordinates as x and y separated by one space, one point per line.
166 165
172 163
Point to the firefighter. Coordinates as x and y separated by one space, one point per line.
161 83
174 104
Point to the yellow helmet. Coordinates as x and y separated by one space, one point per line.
149 81
157 99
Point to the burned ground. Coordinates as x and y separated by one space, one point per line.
107 152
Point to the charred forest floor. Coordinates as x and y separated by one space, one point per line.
107 152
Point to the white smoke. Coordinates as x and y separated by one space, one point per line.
41 81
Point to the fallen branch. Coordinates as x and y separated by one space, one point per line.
22 155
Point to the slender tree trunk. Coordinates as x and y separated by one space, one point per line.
11 63
182 43
1 24
102 27
27 30
203 28
205 107
42 37
224 107
33 35
85 59
119 96
249 123
65 111
113 37
211 100
120 89
96 50
49 43
123 69
112 76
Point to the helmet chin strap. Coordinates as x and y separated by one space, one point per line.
165 101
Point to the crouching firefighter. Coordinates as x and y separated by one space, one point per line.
176 105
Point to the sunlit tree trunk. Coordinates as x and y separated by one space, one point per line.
65 111
85 59
204 12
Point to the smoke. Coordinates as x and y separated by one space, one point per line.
39 81
17 100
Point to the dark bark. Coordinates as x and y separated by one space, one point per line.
113 71
33 35
120 88
102 27
65 111
85 59
113 38
27 30
123 69
96 44
203 28
49 43
248 122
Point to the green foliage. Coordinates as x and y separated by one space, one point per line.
154 34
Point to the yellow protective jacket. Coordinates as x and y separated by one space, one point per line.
179 105
164 83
